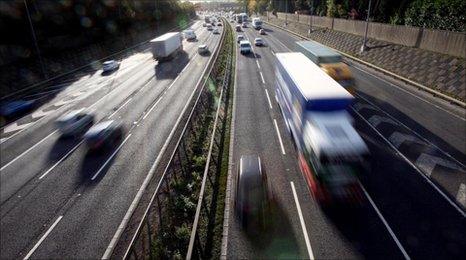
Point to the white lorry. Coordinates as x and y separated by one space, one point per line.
166 46
257 23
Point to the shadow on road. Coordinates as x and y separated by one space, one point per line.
171 68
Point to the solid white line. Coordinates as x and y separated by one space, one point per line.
43 238
417 134
61 160
392 234
303 224
414 166
279 137
28 150
116 111
110 158
262 77
268 98
258 65
153 106
400 88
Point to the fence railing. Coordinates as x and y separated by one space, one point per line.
156 225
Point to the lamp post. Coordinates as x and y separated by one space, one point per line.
364 46
33 33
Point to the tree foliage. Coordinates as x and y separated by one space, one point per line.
437 14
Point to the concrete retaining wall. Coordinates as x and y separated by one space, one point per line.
446 42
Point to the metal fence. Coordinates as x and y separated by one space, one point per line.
183 163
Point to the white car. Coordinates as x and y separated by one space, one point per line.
239 38
216 31
203 49
189 35
110 65
209 27
258 42
262 32
244 47
74 123
245 25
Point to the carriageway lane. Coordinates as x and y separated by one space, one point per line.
367 236
49 152
93 209
426 224
83 93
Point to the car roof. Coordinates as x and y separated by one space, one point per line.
258 39
250 171
244 42
70 115
203 46
96 129
109 62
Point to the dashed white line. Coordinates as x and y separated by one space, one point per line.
414 167
258 65
268 98
110 158
43 237
279 137
461 195
116 111
28 150
303 224
153 106
61 160
392 234
262 77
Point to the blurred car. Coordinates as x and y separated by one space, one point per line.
258 42
219 24
262 32
245 47
244 25
12 109
239 38
209 27
253 195
203 49
216 31
238 28
110 65
74 123
204 24
103 135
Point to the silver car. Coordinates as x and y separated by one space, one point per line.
110 65
74 123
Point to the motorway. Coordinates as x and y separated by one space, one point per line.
58 200
415 191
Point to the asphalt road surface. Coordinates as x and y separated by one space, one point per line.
58 200
411 211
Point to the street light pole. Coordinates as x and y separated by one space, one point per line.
364 46
35 40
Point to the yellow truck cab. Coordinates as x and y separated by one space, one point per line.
329 61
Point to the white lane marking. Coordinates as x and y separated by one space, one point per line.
28 150
268 98
452 203
15 127
41 113
418 135
414 95
272 52
43 238
262 77
61 160
303 224
427 163
286 47
387 226
279 137
116 111
461 195
153 106
110 158
137 198
375 120
258 65
397 139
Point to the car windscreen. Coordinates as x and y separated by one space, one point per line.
245 45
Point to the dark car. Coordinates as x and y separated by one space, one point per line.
253 195
12 109
104 135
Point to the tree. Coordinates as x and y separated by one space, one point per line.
437 14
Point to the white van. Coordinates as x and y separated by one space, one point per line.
189 35
244 47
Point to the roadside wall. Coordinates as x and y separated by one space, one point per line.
445 42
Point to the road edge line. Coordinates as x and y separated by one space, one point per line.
303 224
415 84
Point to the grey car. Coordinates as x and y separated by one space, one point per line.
74 123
